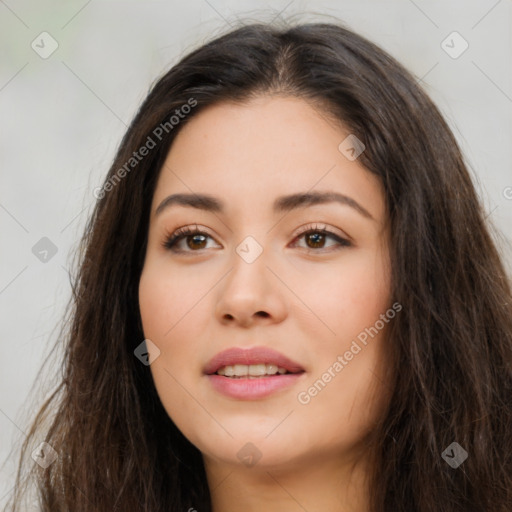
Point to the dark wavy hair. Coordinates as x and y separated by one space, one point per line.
451 346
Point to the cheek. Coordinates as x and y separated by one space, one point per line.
347 296
167 298
366 290
170 307
350 301
171 311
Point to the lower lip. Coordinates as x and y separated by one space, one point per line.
253 389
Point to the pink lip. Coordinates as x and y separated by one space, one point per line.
246 388
252 389
256 355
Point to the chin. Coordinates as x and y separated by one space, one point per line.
252 447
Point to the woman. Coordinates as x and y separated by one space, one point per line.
224 355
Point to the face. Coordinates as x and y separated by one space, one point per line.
290 285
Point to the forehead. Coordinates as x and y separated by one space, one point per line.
271 146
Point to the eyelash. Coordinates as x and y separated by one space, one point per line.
172 239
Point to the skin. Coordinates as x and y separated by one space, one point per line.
316 299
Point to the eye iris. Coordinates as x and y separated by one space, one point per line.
316 238
194 238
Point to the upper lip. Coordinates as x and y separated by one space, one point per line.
256 355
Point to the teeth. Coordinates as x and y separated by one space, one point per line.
253 370
272 369
240 369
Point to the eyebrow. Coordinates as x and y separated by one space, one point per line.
281 204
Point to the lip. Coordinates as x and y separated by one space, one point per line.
256 355
252 389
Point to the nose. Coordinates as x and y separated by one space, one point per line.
251 294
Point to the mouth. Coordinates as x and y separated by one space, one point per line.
252 362
253 371
250 374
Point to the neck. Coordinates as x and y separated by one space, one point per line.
322 484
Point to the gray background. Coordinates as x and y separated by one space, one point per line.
63 116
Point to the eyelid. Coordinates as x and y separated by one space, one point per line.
320 226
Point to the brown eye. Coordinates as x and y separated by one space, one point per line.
195 240
316 238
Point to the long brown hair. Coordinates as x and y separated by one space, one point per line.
451 344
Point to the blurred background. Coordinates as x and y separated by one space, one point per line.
72 75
